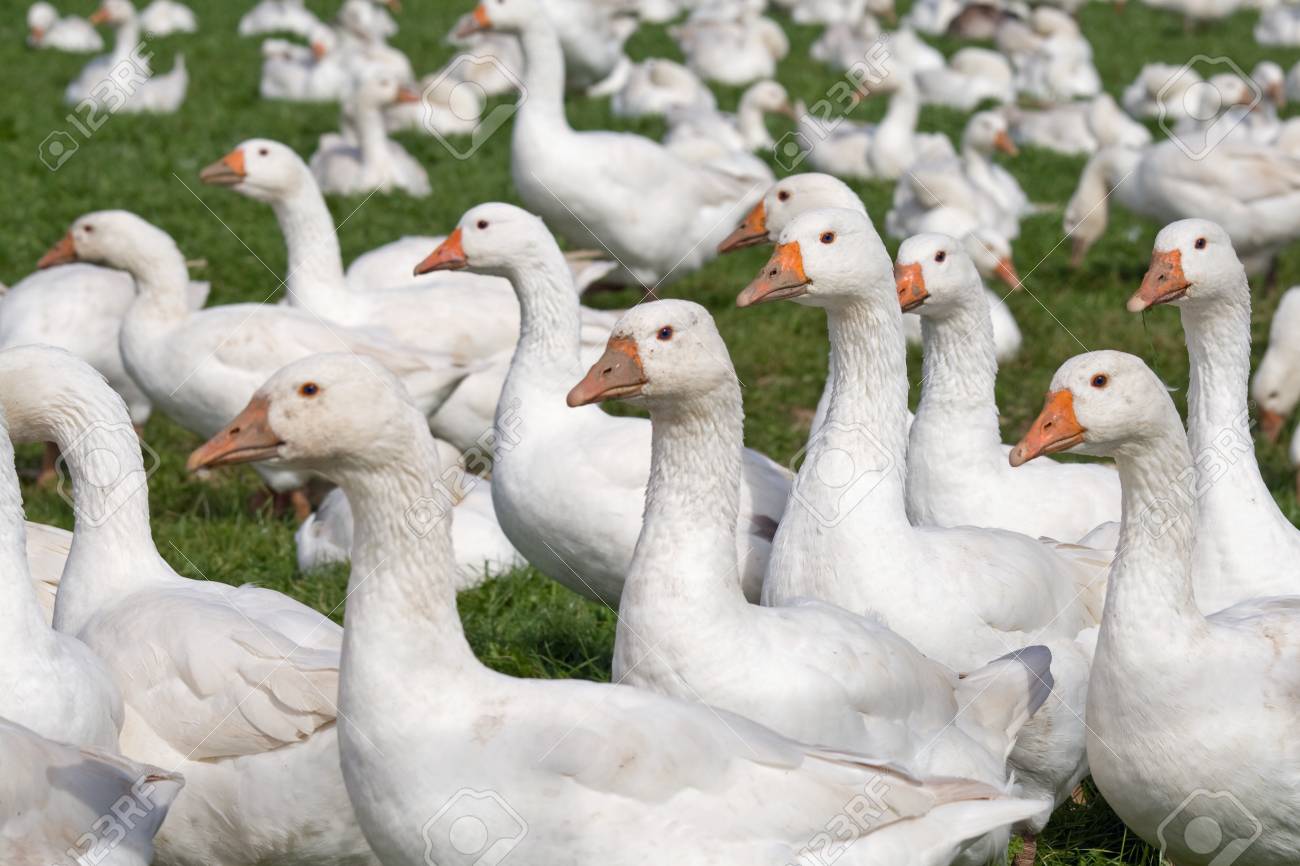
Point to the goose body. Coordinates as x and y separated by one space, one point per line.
657 214
362 158
658 86
957 472
1077 127
47 29
149 93
315 73
165 17
732 50
986 589
569 491
706 772
1245 547
811 671
52 794
234 687
971 76
1167 706
1275 387
279 16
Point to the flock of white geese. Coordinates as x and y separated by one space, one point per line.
911 649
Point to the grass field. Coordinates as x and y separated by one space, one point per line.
523 624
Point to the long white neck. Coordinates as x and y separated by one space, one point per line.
547 355
22 620
867 415
315 276
752 125
960 371
401 611
372 138
161 278
685 558
125 39
1150 595
113 552
1218 423
543 81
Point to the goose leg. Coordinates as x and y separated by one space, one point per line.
1028 850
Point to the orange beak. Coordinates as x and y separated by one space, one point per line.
911 286
475 23
62 253
782 278
36 33
1271 424
751 232
406 95
1056 429
247 439
227 171
449 256
1164 281
318 50
1003 142
99 16
1006 272
617 373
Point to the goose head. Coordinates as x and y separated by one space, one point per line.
768 97
114 13
661 351
991 254
113 238
1275 387
323 413
825 258
783 201
40 18
934 276
987 132
505 16
1098 403
1193 262
492 238
259 168
374 88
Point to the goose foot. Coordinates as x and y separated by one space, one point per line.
49 466
282 503
1028 850
1079 796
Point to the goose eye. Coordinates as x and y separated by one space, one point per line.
264 152
665 333
1200 243
1100 380
482 224
828 237
309 389
783 196
940 256
88 229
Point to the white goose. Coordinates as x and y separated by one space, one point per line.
592 34
1162 90
1077 127
234 687
1190 722
363 29
732 50
55 798
1245 546
50 682
195 364
961 595
657 86
1279 25
317 72
697 133
474 316
670 779
47 29
793 195
361 158
279 16
659 215
165 17
1275 387
957 473
491 61
155 94
446 107
811 671
971 182
971 76
570 490
1252 190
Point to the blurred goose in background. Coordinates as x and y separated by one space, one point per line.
47 29
657 214
719 767
734 51
165 17
1163 87
363 28
845 42
54 794
361 158
592 34
317 72
1059 68
155 94
971 76
1275 387
691 131
447 106
1158 745
1279 25
492 61
1077 128
279 16
658 86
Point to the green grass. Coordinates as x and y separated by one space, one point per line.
524 624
